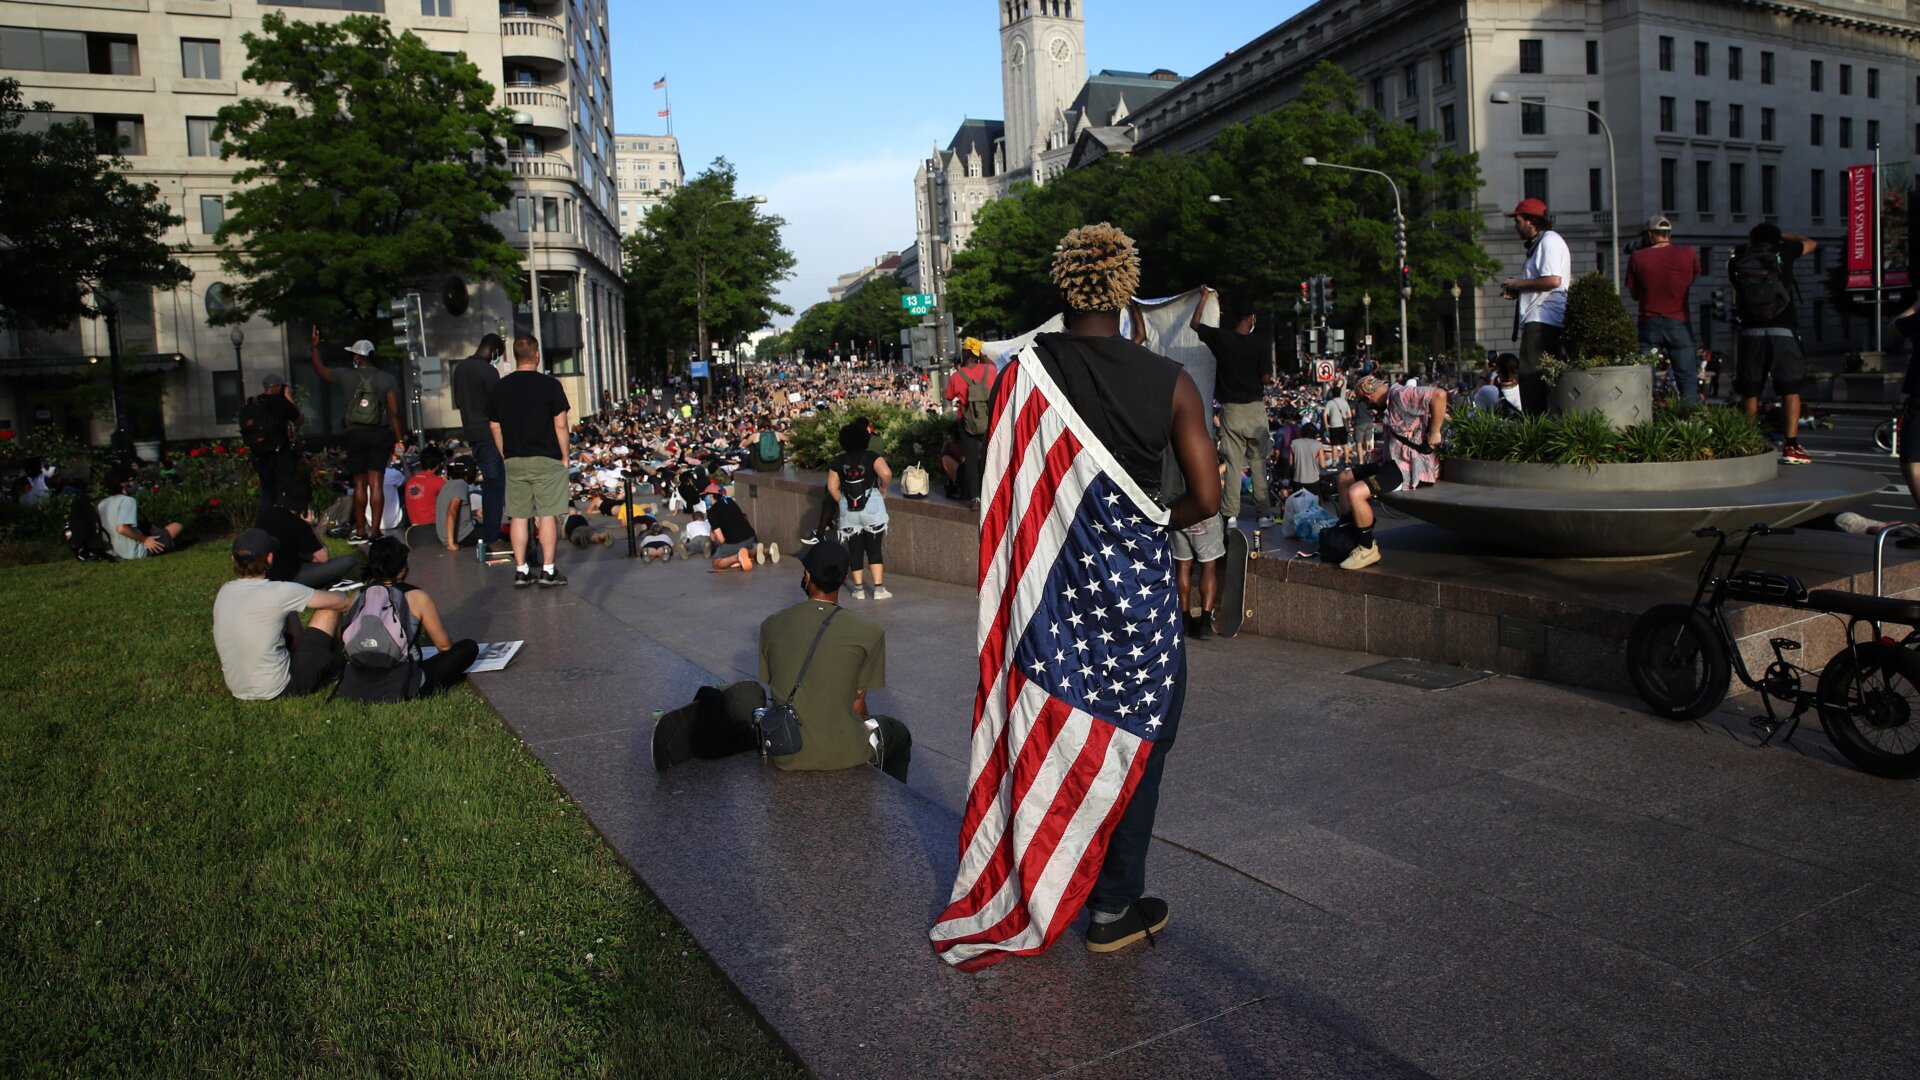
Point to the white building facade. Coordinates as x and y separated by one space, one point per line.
157 73
1725 113
647 169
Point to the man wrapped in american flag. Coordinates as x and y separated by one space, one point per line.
1082 664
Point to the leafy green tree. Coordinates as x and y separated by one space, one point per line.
769 347
377 167
703 242
1277 221
70 220
818 329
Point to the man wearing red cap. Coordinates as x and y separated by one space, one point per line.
1541 295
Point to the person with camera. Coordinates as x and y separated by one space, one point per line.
267 421
820 660
1415 418
1540 297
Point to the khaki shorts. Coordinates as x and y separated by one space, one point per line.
1206 541
536 487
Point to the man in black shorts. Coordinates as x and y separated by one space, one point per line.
1766 305
264 651
373 432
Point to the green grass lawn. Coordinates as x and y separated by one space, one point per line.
195 885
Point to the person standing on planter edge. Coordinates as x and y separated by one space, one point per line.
374 434
527 417
1240 367
473 381
1659 276
970 388
1769 342
1540 297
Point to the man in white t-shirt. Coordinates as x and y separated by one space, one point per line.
264 651
132 537
1540 295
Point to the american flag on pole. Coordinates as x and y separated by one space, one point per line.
664 112
1080 640
660 83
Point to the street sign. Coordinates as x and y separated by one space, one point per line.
1323 371
698 369
917 303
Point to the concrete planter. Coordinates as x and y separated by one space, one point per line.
1652 476
1624 394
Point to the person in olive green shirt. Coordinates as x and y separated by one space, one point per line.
837 732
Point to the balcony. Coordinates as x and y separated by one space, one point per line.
533 39
547 108
540 166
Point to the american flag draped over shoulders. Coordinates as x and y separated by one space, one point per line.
1080 640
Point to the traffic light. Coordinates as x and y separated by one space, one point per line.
409 325
1306 295
1326 288
1406 280
1317 298
1400 254
1719 298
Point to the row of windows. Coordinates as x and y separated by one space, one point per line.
79 52
1736 124
1736 67
1410 79
1533 56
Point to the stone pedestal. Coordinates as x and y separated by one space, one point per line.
1624 394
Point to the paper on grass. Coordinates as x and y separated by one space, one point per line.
494 655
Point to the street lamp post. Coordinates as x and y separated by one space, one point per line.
533 226
1502 97
1400 231
1366 321
239 338
1453 290
700 282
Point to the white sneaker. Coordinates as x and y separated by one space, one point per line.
1233 523
759 553
1266 522
856 592
773 552
1854 523
1361 557
881 592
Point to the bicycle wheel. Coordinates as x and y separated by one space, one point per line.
1883 436
1677 662
1870 708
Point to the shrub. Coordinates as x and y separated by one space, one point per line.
1599 332
1585 439
906 436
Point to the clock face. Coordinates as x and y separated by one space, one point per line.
1019 53
1061 49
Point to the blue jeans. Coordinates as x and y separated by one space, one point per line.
1123 874
1675 338
493 488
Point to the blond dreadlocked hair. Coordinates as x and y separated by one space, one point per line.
1097 268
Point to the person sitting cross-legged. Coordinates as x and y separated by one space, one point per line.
414 677
300 556
849 659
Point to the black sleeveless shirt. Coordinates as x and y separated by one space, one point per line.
1124 392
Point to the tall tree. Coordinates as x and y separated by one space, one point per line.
70 220
377 168
703 247
1276 222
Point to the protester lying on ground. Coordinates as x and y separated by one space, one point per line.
580 532
264 651
133 537
735 545
382 631
656 539
300 556
828 692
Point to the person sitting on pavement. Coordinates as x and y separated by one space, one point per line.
300 556
264 651
132 536
387 567
857 480
1409 413
453 523
421 491
848 662
735 545
697 537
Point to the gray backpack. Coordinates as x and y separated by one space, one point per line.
382 662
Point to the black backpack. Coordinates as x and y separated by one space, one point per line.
1760 292
261 433
856 478
86 537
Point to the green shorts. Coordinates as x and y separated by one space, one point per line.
536 487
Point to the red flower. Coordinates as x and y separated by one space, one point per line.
218 449
195 452
213 502
6 434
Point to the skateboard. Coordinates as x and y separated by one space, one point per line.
1233 607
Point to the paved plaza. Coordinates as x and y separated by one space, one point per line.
1367 877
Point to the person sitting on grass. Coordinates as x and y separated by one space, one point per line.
300 556
848 660
133 537
735 545
417 677
264 651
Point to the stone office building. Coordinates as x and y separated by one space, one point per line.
1725 113
156 71
647 169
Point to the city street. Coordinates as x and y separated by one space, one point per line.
1850 442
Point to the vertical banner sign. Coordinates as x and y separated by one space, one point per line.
1863 197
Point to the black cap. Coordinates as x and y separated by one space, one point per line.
272 382
253 543
825 555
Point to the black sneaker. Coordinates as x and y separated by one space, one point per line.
1202 626
550 578
339 532
1147 917
522 578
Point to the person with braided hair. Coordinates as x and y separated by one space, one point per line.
1146 411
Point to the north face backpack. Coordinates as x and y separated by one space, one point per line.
86 537
1760 293
382 663
769 450
856 480
977 415
366 407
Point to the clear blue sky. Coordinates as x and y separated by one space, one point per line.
827 106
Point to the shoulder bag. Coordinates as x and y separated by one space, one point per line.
778 725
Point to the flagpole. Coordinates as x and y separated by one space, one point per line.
667 91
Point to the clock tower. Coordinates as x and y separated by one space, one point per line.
1043 65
